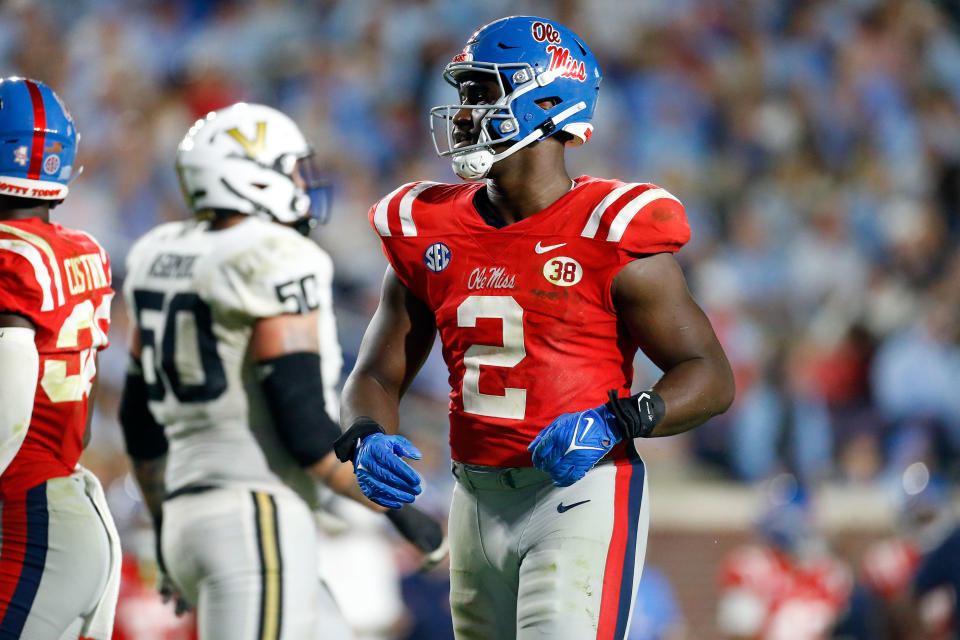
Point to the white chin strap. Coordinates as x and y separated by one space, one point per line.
476 164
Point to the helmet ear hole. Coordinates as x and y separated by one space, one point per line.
548 103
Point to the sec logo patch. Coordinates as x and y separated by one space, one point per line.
562 271
437 257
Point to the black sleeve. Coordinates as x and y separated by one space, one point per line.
143 435
294 391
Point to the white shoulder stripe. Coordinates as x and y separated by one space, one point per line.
44 246
593 223
619 224
40 271
380 215
406 208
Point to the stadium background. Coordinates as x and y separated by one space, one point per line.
815 144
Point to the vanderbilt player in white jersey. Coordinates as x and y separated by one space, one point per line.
229 406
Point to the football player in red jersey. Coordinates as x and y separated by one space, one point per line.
786 584
542 288
59 552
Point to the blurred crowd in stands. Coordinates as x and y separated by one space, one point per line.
815 144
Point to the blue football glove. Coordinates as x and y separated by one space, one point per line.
382 474
570 445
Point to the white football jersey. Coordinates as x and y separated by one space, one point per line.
195 295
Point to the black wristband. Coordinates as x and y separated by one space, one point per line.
637 415
346 445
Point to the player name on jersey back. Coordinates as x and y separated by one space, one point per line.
85 272
172 265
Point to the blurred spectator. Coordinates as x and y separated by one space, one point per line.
915 575
786 585
656 614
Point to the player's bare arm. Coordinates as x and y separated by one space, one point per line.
394 347
15 320
147 447
144 435
278 336
653 302
272 337
657 312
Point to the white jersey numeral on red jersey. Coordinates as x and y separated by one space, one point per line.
55 382
513 403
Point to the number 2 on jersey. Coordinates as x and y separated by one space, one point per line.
188 347
513 403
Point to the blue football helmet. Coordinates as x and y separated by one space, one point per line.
38 141
532 59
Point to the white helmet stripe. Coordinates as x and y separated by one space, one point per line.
619 224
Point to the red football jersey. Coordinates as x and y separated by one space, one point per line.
799 601
59 279
524 312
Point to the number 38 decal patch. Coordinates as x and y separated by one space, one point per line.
562 271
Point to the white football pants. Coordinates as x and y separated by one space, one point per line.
529 560
57 546
248 561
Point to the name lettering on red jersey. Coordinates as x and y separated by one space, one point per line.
394 214
619 207
85 272
491 278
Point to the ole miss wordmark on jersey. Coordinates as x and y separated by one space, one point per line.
524 312
59 279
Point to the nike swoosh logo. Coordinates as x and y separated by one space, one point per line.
573 441
550 247
589 424
562 508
